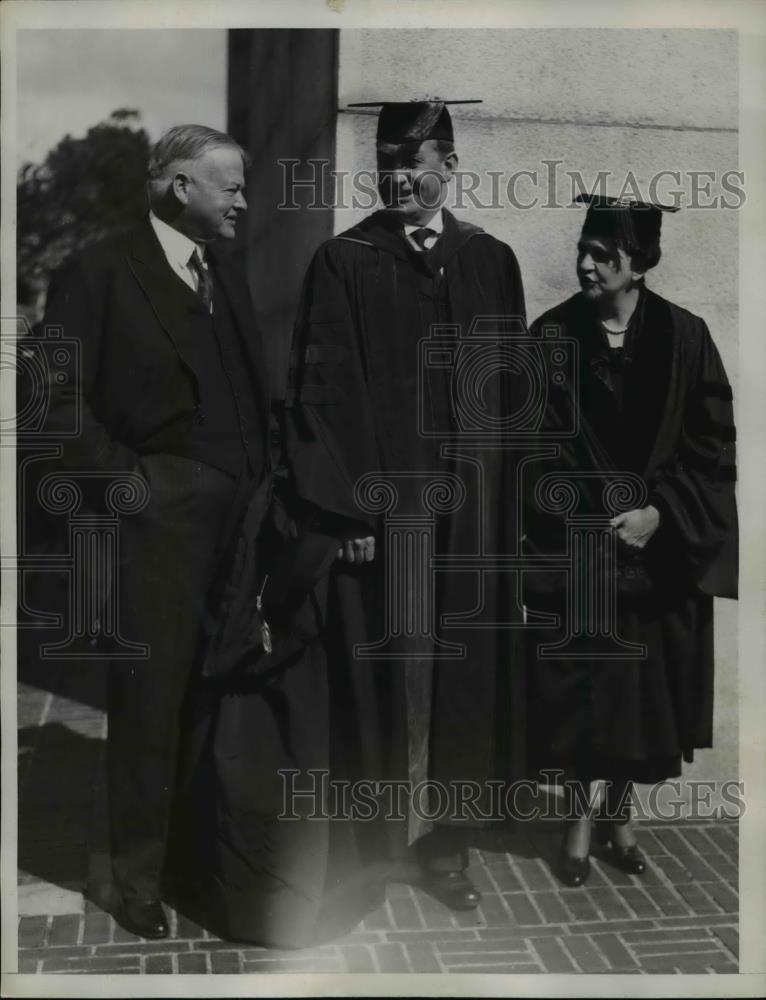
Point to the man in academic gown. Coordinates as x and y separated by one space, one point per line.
654 402
363 404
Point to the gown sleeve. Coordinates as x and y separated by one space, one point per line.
516 293
329 428
544 531
696 492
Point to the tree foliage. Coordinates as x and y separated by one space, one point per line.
84 190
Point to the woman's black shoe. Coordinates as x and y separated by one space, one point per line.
629 859
572 871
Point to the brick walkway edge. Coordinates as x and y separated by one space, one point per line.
681 916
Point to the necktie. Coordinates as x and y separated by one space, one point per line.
204 282
421 235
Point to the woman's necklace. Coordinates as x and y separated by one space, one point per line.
616 338
615 333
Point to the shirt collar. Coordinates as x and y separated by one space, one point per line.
436 224
177 247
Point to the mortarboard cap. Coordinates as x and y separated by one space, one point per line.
634 224
413 121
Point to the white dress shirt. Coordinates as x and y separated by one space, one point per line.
436 223
178 249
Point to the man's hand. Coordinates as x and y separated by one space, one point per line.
358 550
636 527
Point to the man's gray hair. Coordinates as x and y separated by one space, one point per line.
183 143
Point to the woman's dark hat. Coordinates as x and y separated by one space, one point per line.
413 121
634 224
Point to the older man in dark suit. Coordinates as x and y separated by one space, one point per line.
172 385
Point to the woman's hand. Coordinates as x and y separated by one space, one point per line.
358 550
636 527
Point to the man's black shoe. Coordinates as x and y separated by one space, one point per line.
454 889
144 917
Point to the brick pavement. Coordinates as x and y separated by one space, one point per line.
681 917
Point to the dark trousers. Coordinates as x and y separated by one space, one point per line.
444 849
170 552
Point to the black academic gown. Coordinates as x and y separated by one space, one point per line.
358 399
664 413
312 705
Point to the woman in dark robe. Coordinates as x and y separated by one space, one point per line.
655 413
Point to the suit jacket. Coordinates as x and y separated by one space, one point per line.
132 380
